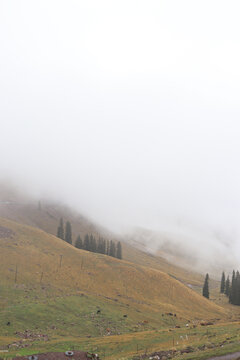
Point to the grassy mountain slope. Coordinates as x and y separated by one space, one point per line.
56 307
135 255
48 216
26 211
37 257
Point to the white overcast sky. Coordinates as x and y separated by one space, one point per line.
128 110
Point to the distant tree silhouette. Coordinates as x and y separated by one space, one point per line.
119 250
232 289
227 286
86 244
223 283
68 233
101 246
92 243
107 248
79 242
232 294
234 297
112 251
205 291
60 230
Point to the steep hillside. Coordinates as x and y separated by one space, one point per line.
37 256
135 255
53 295
22 209
46 216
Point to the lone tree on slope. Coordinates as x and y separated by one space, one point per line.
223 283
60 230
205 291
68 233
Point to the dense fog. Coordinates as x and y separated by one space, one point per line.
129 112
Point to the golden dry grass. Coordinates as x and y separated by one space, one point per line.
37 257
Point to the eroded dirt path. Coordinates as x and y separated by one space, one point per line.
233 356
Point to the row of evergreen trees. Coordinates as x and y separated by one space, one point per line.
89 243
100 246
231 288
65 234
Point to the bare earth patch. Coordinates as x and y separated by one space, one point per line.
5 232
77 355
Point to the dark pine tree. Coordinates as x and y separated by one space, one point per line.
237 300
86 244
99 246
90 242
104 246
119 250
68 233
60 230
79 242
205 291
94 244
227 286
223 283
233 292
107 248
112 251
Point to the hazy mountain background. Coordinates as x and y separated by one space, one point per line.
129 113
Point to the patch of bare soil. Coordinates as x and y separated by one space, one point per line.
5 232
77 355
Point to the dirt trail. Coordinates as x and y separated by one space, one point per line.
234 356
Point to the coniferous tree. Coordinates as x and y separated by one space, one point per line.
107 248
79 242
223 283
90 242
233 294
60 230
230 295
205 291
119 250
86 243
237 300
104 246
68 233
112 251
233 276
100 246
94 246
227 286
